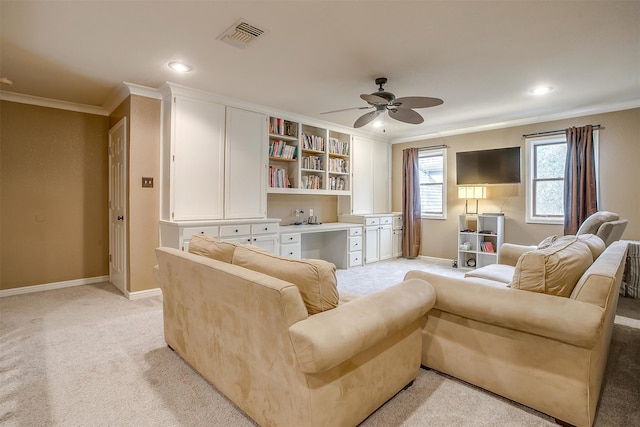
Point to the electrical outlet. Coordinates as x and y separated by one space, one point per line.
147 182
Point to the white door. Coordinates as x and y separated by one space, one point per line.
371 244
118 205
385 242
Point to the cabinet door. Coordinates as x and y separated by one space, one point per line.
397 243
362 181
385 242
371 244
267 242
381 177
198 159
246 159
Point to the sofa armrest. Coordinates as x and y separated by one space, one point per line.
562 319
326 339
509 253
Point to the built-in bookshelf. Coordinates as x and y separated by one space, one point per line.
305 158
283 153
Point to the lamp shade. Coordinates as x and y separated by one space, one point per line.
477 192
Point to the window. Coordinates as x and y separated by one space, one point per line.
545 177
432 165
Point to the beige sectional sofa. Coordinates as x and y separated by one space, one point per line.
535 328
271 334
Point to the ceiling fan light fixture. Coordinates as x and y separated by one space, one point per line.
180 67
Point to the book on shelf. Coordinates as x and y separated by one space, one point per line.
312 162
278 178
278 126
279 148
310 182
339 165
338 147
487 247
337 183
312 142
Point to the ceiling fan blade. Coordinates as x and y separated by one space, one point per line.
406 115
366 118
348 109
374 99
416 102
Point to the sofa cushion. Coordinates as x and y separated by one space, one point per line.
594 221
209 247
315 279
554 270
497 272
596 244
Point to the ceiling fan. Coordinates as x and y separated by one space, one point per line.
400 109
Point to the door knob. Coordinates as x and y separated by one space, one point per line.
120 217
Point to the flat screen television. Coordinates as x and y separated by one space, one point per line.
497 166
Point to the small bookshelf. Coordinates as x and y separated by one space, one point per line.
479 239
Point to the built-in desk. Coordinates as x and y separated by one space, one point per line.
336 242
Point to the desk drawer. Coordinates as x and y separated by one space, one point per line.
291 250
289 238
372 221
386 220
355 243
235 230
188 232
265 228
355 258
355 231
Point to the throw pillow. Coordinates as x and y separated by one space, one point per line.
596 244
315 279
554 270
209 247
548 241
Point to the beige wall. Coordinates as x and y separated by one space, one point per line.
143 115
619 178
283 206
53 195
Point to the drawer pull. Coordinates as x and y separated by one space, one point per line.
290 238
266 228
236 230
290 253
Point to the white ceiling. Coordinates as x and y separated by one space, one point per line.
480 57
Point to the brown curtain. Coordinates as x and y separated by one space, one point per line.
411 215
580 178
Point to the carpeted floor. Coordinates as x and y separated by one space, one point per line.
86 356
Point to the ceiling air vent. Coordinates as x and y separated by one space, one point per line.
241 34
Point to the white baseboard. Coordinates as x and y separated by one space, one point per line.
446 262
54 285
143 294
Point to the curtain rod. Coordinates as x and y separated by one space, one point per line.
433 147
552 132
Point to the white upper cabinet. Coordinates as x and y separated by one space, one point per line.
195 160
371 177
213 159
246 164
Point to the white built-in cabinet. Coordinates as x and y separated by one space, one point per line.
193 159
371 188
378 235
214 159
245 164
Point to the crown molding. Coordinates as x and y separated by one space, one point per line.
586 111
52 103
125 89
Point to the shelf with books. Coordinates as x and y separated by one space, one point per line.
479 239
307 159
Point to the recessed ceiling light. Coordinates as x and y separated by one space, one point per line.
541 90
179 66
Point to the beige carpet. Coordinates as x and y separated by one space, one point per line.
86 356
